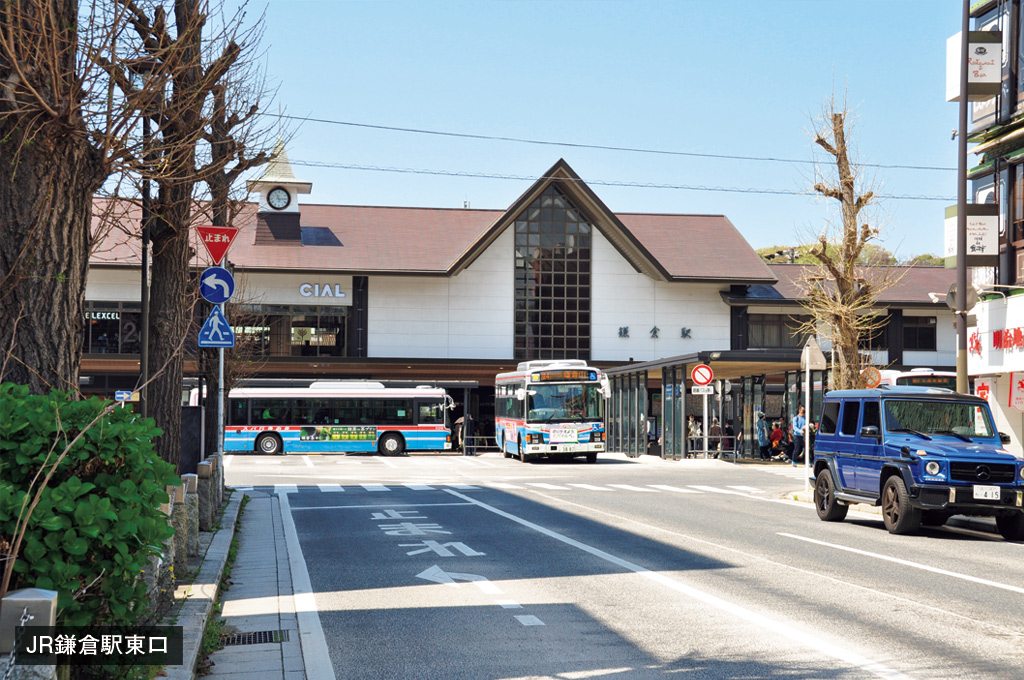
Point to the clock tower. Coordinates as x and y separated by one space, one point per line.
279 189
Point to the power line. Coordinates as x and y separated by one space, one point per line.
664 152
597 182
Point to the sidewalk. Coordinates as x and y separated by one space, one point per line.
258 609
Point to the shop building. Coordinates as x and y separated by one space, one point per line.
455 296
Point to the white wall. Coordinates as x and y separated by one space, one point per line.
469 316
1008 419
113 285
945 340
622 297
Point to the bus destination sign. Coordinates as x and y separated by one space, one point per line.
564 375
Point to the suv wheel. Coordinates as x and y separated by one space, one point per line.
897 513
1011 526
829 509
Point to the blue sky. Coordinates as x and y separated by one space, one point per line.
737 78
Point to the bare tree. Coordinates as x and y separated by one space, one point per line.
842 293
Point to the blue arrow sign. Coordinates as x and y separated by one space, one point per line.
216 332
216 285
122 395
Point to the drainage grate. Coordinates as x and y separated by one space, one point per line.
259 638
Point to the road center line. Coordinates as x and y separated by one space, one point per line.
772 625
907 563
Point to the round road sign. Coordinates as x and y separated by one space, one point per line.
872 377
702 374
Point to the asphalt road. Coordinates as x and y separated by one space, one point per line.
452 567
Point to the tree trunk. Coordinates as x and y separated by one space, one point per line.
48 173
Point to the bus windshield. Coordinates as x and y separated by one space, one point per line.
926 418
550 402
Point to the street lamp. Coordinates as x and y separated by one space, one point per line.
145 68
961 208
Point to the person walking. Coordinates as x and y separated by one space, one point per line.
764 444
778 441
715 437
799 434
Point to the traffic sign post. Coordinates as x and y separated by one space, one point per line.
702 375
217 285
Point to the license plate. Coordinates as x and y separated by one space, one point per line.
986 493
563 435
569 448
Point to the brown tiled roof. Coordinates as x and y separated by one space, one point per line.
912 288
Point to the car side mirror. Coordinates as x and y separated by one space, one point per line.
1004 438
869 431
905 452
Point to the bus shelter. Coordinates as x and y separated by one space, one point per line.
652 401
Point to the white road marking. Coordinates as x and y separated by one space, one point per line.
243 488
375 487
771 625
666 487
439 575
266 462
385 461
315 656
591 487
419 487
907 563
711 489
285 488
748 489
529 620
503 485
331 487
227 461
629 487
509 604
308 461
463 487
542 485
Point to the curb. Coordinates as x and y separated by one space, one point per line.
202 594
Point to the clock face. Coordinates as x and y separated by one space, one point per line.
278 198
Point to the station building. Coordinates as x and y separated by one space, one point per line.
452 297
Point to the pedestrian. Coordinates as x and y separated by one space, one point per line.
693 432
715 434
764 444
778 441
799 434
728 433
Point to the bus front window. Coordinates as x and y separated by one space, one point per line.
546 403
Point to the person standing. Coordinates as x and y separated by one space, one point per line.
715 437
764 444
799 434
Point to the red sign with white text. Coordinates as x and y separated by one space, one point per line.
217 240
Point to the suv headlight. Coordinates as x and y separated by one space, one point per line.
1021 473
933 468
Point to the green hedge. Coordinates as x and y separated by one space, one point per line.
98 520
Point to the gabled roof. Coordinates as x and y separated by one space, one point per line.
911 289
364 240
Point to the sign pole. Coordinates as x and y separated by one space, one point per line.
807 426
220 401
705 427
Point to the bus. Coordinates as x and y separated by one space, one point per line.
550 408
338 417
920 377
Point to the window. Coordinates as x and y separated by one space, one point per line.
431 413
872 415
919 333
851 415
776 330
829 418
552 280
238 412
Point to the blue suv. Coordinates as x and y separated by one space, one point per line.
922 454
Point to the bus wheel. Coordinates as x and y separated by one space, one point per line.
269 444
391 445
522 454
503 445
592 457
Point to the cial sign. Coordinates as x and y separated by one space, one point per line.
702 374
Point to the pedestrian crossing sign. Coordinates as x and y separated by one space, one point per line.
216 332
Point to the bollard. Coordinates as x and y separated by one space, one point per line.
218 473
206 509
191 485
37 603
179 520
165 567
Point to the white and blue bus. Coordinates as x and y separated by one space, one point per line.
338 417
550 409
919 377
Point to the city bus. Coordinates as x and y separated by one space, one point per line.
550 409
338 417
920 377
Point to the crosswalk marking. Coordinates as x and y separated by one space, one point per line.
543 485
285 488
419 487
590 487
666 487
502 485
629 487
711 489
375 487
327 488
462 487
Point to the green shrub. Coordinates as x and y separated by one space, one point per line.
98 520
